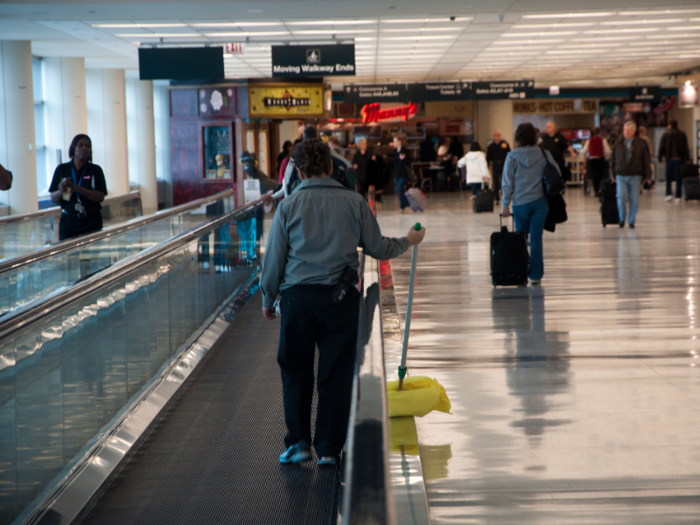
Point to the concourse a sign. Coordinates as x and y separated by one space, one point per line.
375 93
313 61
503 89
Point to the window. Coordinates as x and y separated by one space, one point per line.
42 182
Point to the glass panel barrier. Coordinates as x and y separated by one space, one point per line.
67 375
36 278
22 234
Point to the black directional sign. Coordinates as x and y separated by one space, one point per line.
438 91
645 94
313 60
503 89
375 93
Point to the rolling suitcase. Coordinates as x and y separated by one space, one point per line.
688 170
691 188
416 199
608 203
483 201
510 260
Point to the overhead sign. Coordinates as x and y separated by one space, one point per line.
374 113
375 93
559 106
186 63
313 61
285 101
645 94
503 89
439 91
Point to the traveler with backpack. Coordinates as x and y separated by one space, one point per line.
523 187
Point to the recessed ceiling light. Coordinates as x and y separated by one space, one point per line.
331 22
237 24
125 26
157 35
534 34
638 22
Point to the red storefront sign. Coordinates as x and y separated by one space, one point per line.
374 113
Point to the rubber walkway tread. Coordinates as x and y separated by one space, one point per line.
213 457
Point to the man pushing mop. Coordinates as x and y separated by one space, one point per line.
311 260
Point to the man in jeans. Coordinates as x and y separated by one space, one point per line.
673 148
630 162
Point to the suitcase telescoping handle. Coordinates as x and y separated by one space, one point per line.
500 218
409 308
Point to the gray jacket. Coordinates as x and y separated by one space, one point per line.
523 173
315 235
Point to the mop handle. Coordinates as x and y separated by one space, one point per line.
409 308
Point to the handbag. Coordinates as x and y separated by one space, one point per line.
553 182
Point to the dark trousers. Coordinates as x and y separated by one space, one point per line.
69 226
673 172
309 320
597 171
497 173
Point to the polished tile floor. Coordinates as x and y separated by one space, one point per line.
573 403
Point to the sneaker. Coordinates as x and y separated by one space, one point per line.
328 461
632 226
536 282
401 211
622 224
669 198
676 200
296 453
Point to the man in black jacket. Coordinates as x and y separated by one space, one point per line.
496 153
673 148
630 162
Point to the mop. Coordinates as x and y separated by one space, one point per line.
418 395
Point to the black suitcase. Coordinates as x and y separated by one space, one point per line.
483 201
608 203
510 260
688 170
691 188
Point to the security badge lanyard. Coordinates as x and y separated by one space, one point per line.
79 208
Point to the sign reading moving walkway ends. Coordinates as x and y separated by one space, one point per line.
313 61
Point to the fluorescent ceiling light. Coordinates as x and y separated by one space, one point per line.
423 20
638 22
330 31
570 15
539 41
683 28
124 26
605 39
685 36
157 35
237 24
551 33
420 37
667 12
420 29
331 22
623 31
244 33
555 25
570 52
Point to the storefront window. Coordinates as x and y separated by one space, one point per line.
217 152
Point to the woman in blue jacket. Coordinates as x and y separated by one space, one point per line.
523 187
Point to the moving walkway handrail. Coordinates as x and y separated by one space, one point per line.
35 310
61 247
56 210
367 490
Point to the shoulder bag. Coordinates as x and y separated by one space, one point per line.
553 182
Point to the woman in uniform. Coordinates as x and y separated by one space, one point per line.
79 185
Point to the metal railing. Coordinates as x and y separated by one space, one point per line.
366 497
94 347
32 275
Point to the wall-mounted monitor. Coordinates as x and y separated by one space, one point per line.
188 63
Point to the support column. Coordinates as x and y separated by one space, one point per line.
65 106
161 116
106 106
141 139
17 151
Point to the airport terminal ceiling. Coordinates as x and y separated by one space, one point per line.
609 43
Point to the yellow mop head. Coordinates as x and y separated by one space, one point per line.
420 396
